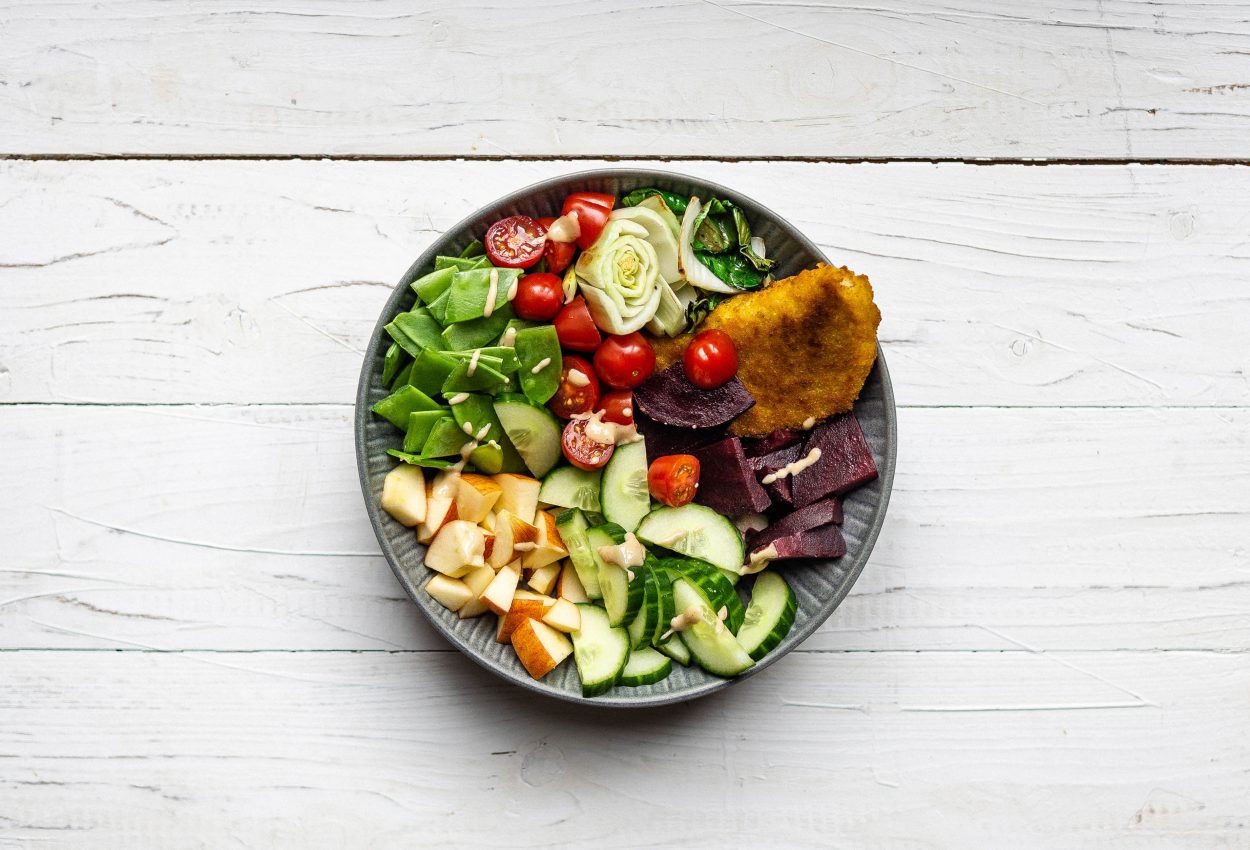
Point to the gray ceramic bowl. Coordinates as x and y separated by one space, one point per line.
818 586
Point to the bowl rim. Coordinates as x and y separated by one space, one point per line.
362 413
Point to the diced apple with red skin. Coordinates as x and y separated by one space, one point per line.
519 496
563 616
570 586
498 594
540 647
550 547
440 507
509 531
476 579
522 609
475 496
457 548
452 593
403 494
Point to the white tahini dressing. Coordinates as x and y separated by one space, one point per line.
761 559
482 432
578 378
809 423
608 433
792 468
684 620
540 365
512 291
524 546
624 555
492 292
477 352
509 336
467 428
458 398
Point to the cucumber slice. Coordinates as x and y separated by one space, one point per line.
642 627
645 667
621 597
698 531
600 650
714 585
626 496
716 650
477 411
533 430
769 616
668 608
574 529
570 487
676 649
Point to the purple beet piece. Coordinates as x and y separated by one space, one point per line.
824 541
779 439
727 483
670 399
825 512
779 490
666 440
845 461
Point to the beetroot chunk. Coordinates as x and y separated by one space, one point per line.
727 483
671 399
824 541
779 439
666 440
825 512
845 461
779 490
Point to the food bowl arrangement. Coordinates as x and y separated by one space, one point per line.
635 447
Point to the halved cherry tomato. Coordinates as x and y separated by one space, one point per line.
575 328
582 451
591 210
618 407
674 479
538 297
557 254
711 359
515 242
624 362
575 395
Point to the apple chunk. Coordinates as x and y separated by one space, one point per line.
544 578
475 496
477 579
498 594
570 586
452 593
520 495
522 610
509 531
563 616
403 494
440 506
457 548
550 546
540 647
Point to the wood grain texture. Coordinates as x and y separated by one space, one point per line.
399 750
260 282
971 78
242 528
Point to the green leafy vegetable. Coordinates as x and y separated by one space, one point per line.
620 277
698 309
676 203
733 269
419 460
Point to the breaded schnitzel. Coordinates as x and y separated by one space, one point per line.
805 346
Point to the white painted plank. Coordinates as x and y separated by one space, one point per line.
243 528
260 282
888 750
971 78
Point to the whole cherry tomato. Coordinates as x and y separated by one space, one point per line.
582 451
674 479
618 407
515 242
711 359
575 328
579 388
591 210
538 297
557 254
625 361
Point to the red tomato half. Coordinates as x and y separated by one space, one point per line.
618 407
711 359
581 450
557 254
591 210
515 242
575 328
624 362
674 479
538 297
574 396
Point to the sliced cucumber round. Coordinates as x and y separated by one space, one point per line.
626 496
716 649
570 487
642 627
621 597
574 530
676 649
712 582
600 651
533 430
769 616
698 531
645 667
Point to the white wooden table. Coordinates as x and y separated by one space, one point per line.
203 207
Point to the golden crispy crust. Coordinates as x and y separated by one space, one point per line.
805 346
